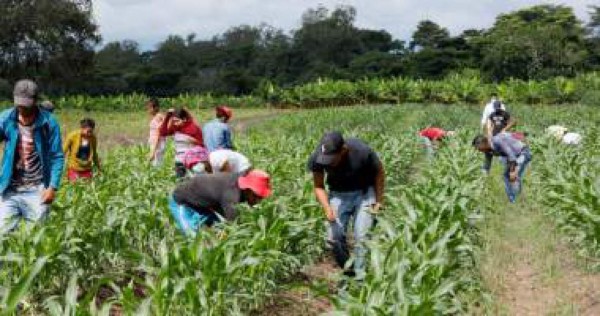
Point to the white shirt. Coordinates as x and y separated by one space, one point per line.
556 131
488 110
237 162
572 139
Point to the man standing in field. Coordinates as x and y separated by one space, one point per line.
209 198
217 133
33 159
499 121
515 156
489 109
355 178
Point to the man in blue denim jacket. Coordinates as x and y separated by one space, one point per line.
33 160
515 156
355 179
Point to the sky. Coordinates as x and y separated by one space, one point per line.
150 21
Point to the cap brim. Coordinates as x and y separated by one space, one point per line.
246 184
22 101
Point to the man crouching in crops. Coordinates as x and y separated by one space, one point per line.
355 178
514 154
209 198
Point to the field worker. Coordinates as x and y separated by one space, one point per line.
48 106
562 134
156 142
217 133
515 155
33 159
355 178
209 198
186 135
225 160
499 121
81 151
431 138
196 161
489 109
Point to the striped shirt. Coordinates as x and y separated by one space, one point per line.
28 165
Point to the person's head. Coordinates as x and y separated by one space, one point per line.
224 113
181 116
25 96
332 149
152 106
87 126
48 105
482 144
255 186
494 96
497 105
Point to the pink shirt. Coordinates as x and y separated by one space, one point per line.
155 124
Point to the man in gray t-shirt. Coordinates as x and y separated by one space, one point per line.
355 178
208 198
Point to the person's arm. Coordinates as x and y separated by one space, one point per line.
95 156
379 188
511 157
227 138
57 160
511 123
489 130
321 195
166 127
484 117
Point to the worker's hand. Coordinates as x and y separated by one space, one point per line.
513 176
330 214
376 208
48 196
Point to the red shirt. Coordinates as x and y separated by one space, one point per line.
189 128
433 133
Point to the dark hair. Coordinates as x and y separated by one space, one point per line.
154 103
87 122
183 114
494 94
478 140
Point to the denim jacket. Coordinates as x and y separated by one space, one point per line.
217 135
48 144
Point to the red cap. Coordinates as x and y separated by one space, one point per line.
224 111
258 181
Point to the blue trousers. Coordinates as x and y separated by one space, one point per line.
513 189
188 220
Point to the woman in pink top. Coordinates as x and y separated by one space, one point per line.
155 140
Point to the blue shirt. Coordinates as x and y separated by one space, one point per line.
217 135
507 146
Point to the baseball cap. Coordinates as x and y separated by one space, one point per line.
258 181
225 111
25 93
331 145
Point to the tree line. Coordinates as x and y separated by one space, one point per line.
57 43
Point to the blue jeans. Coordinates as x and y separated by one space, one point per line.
353 205
513 189
22 203
188 220
429 149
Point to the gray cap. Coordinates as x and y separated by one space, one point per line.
25 93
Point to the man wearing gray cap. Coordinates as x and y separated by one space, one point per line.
33 159
355 179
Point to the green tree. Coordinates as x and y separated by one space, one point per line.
534 43
51 40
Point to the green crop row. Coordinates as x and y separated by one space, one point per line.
466 88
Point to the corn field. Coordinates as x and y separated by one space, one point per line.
110 247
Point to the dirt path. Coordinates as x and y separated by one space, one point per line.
528 266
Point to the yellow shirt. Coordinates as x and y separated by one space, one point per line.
71 148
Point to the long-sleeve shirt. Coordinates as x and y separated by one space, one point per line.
217 135
507 146
210 193
72 147
487 111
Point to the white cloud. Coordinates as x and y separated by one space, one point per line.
150 21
